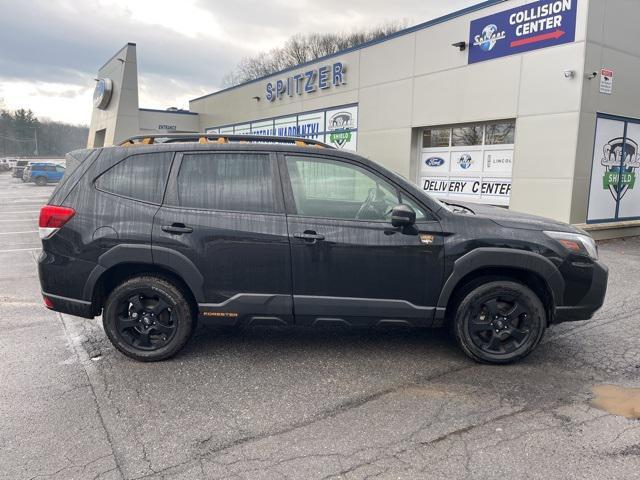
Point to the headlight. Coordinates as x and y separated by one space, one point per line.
576 243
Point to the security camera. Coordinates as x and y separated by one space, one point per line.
591 75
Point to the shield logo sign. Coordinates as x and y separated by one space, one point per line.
339 126
619 175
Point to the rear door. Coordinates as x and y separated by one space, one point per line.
350 266
223 224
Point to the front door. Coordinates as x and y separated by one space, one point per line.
222 227
349 265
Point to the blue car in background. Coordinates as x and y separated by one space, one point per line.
43 173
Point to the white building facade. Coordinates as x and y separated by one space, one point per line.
534 105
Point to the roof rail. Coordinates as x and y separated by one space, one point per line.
219 138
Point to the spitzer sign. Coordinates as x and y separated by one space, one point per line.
522 29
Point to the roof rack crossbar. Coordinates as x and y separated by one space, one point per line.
220 138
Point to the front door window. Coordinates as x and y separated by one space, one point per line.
331 189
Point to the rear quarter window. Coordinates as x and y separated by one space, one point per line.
139 177
76 163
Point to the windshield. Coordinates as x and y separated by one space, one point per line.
440 203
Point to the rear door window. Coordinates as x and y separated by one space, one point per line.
232 181
140 177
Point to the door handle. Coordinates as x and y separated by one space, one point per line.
176 228
309 236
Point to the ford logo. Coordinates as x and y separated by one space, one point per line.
434 162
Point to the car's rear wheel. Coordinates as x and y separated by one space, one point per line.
41 181
148 318
499 322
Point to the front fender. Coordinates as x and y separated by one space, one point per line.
489 257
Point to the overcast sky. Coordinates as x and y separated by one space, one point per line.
51 49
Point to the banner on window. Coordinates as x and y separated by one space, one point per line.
614 193
337 126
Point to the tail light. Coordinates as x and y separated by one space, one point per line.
47 302
52 218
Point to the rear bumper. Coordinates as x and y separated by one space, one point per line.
61 283
71 306
590 303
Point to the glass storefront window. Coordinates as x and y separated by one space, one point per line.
467 135
470 161
500 133
436 137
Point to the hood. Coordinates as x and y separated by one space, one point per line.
510 219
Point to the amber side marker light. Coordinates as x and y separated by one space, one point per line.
52 218
576 243
570 245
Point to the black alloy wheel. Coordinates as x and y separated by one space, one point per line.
499 322
148 318
146 321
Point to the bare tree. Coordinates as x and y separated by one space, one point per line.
304 48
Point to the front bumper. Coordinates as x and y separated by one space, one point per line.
590 303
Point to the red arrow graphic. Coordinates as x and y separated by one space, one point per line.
538 38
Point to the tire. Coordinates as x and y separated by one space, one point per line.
499 322
41 181
140 326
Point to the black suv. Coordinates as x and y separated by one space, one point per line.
243 230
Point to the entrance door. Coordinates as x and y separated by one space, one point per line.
349 265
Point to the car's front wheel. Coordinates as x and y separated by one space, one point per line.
499 322
148 318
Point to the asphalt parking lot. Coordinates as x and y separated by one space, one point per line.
274 404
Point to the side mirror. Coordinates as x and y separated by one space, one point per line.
403 216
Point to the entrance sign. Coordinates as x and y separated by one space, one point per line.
522 29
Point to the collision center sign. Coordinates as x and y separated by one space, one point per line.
528 27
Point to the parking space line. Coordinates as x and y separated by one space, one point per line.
15 233
35 205
23 211
21 250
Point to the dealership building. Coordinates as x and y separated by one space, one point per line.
534 105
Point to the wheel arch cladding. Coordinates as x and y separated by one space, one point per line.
124 261
493 260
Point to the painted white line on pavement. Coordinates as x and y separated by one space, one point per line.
15 233
20 250
2 210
